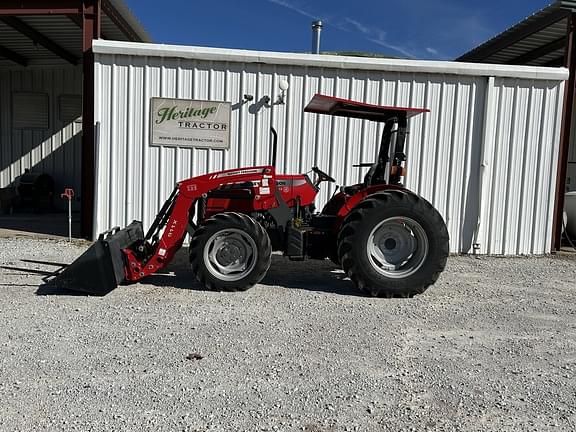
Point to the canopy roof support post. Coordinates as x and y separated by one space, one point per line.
91 19
565 132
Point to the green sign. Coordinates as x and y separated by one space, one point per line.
190 123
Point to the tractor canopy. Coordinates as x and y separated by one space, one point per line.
321 104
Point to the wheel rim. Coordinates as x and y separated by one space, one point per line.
397 247
230 254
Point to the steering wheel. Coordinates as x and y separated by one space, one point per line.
322 176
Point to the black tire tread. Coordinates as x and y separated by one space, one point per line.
354 221
223 221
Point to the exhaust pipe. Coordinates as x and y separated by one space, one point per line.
316 30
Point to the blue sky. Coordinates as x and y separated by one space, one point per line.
425 29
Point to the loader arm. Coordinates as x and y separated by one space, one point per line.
173 219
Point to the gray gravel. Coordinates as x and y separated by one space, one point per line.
492 346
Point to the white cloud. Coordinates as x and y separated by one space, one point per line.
294 7
376 35
370 33
397 48
359 26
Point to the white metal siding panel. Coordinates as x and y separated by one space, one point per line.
70 108
444 147
30 110
56 150
522 138
530 167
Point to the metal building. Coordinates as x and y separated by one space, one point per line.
486 155
46 88
546 38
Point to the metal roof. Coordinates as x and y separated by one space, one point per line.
538 40
43 39
325 61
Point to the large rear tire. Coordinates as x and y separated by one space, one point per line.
393 244
230 252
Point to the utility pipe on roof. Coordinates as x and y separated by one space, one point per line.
316 30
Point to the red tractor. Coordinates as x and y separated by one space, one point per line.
389 241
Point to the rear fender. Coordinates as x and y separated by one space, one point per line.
341 204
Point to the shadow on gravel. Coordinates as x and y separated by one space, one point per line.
47 289
27 270
310 275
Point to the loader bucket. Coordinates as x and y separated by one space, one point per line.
100 269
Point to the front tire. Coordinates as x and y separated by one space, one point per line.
230 252
393 244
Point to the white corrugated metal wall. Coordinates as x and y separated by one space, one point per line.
56 150
510 124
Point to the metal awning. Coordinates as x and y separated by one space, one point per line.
44 33
538 40
321 104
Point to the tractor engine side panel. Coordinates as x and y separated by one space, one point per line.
293 186
239 205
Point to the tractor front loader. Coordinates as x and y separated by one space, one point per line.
389 241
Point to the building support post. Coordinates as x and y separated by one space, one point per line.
91 18
565 132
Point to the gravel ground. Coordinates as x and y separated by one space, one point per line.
492 346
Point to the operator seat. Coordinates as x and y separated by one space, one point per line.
375 175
